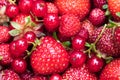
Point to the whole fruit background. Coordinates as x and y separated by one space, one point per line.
59 39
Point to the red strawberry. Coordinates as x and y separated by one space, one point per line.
5 54
9 75
111 71
97 17
114 7
87 25
69 25
81 73
78 7
52 8
49 57
106 43
4 34
37 77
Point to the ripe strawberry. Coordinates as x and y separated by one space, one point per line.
87 25
78 7
51 8
69 25
4 34
114 7
111 71
49 57
5 54
106 43
37 77
9 75
81 73
97 17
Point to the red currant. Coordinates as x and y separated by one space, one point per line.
51 21
95 63
78 43
25 5
12 10
30 36
39 8
19 65
55 77
77 58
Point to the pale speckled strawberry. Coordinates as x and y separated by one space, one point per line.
111 71
9 75
4 34
49 57
81 73
5 54
80 8
69 25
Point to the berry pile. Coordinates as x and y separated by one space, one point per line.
59 39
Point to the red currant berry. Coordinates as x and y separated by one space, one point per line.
12 10
51 22
19 65
25 5
14 52
77 58
55 77
30 36
39 8
95 64
21 45
78 43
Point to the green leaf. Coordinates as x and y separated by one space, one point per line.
14 32
66 43
118 14
105 6
15 25
87 44
37 41
107 13
27 19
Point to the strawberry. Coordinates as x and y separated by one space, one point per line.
87 25
49 57
81 73
78 7
114 8
51 8
97 17
9 75
69 25
4 34
111 71
99 3
5 54
106 43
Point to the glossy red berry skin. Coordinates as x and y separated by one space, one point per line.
12 10
30 36
21 45
25 5
78 43
19 65
55 77
77 58
95 64
51 21
39 8
18 47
